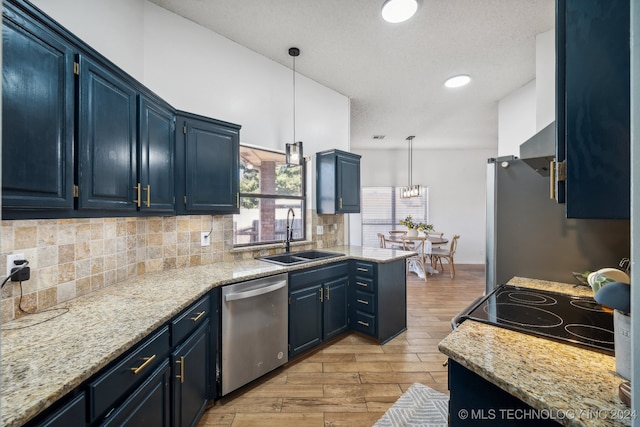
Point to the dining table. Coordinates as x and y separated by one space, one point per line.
416 244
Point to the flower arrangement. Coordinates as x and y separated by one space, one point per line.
420 226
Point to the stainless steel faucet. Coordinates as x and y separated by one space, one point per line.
289 231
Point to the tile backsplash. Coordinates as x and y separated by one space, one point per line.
73 257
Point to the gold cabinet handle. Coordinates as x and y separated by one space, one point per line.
137 200
237 200
363 302
327 293
362 269
321 294
361 284
148 190
340 202
181 376
552 179
147 360
363 323
198 316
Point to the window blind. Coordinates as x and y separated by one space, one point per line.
382 209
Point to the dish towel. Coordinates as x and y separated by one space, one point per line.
418 406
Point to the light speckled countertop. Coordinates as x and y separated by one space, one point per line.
42 363
581 384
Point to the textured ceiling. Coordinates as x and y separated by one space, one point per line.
394 73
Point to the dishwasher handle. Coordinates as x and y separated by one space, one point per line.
255 292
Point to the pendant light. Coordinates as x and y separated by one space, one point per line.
410 190
294 156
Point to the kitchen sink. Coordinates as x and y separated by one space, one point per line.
294 258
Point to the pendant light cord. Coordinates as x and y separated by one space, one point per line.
293 52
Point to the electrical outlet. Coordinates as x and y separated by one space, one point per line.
320 230
205 238
10 261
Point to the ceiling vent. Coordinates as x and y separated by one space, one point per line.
380 137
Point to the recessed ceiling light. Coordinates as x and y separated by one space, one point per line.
395 11
458 81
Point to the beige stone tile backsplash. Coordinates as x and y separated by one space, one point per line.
73 257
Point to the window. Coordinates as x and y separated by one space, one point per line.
382 209
268 189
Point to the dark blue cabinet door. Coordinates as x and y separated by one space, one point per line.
348 184
107 173
73 414
156 152
191 364
337 182
37 117
148 406
593 107
209 158
335 307
305 319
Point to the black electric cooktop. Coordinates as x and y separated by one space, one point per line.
575 320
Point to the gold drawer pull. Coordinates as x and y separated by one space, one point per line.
363 323
181 376
321 294
137 200
363 302
362 284
147 360
362 269
148 190
195 319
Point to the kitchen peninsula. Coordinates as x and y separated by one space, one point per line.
572 385
43 362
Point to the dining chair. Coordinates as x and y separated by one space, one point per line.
382 240
438 254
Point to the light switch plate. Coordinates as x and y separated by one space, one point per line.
205 238
10 259
319 230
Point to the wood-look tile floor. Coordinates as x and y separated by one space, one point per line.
352 381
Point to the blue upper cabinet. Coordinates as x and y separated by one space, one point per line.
593 107
107 140
337 182
207 165
37 116
156 153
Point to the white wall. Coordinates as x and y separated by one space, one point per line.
457 190
516 119
545 79
199 71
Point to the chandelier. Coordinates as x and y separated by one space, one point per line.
410 190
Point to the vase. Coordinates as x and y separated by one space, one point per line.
412 233
622 343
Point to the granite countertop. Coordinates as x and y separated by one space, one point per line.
42 360
580 385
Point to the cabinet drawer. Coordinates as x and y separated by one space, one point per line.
189 320
117 381
365 323
364 269
300 279
364 301
364 284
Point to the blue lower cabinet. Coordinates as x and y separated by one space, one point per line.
190 364
148 406
378 299
474 401
71 414
317 305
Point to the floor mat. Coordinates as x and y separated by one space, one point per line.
418 406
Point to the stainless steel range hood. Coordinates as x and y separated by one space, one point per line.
540 149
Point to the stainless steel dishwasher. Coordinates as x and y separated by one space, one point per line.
254 329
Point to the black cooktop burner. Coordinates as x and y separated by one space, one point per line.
570 319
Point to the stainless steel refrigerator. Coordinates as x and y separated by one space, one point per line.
528 234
